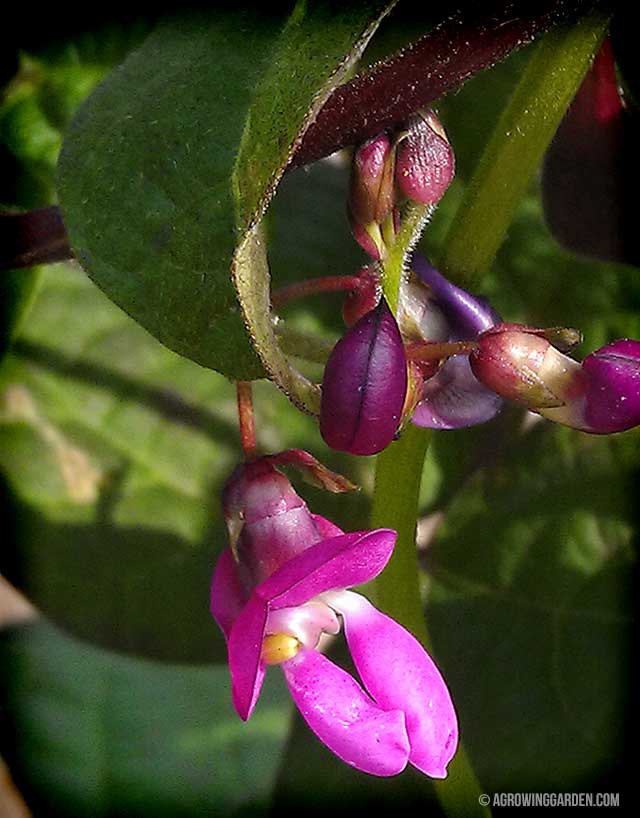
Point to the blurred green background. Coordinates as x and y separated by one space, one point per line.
115 700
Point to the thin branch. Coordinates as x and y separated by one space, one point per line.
35 237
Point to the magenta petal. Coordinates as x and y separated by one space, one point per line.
467 314
400 674
454 398
364 385
612 401
340 562
344 718
227 595
245 647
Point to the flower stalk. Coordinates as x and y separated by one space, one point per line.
246 420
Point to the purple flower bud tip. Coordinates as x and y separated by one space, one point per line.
612 399
425 162
364 385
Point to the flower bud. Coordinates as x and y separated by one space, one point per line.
260 505
371 192
425 162
364 385
519 364
612 396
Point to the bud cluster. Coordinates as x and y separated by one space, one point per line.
415 163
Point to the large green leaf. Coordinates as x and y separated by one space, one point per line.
114 450
154 199
89 733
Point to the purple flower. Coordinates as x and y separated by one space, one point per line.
364 385
281 586
600 396
453 398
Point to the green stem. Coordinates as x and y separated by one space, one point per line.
553 74
398 475
414 218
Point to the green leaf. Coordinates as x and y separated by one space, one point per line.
114 456
89 733
533 564
153 196
114 451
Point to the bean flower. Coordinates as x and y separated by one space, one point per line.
281 585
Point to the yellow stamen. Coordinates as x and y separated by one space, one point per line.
278 647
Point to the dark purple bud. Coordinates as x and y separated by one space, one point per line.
425 163
364 385
612 399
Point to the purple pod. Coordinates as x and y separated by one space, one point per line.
612 399
364 385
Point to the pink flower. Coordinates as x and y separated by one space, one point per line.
281 586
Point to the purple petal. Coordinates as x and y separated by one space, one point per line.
344 718
467 315
227 594
400 674
245 647
364 385
265 545
340 562
612 401
453 398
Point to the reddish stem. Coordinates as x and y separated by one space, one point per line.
36 237
246 420
313 286
383 96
